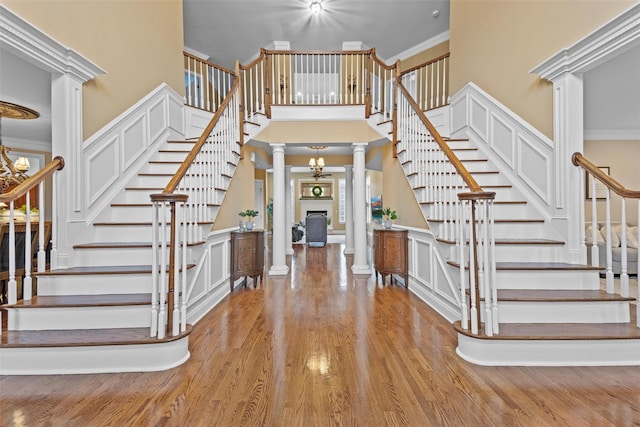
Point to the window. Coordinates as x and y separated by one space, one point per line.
342 217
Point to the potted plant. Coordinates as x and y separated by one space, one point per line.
251 214
389 215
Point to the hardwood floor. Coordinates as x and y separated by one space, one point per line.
323 349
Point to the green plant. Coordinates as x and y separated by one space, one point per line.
249 212
389 214
23 209
328 220
270 207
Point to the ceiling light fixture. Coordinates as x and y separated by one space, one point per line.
316 7
13 174
316 165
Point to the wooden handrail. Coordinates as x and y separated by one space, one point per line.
226 70
184 167
318 52
457 164
24 187
382 64
432 61
255 61
579 160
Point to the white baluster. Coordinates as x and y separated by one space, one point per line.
154 270
609 270
27 285
624 277
12 284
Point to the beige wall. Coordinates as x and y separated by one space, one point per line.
239 195
138 42
398 194
622 159
425 56
494 44
320 131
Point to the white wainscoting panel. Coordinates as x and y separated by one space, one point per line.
521 152
128 142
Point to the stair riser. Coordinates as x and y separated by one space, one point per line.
144 213
549 352
143 196
547 279
481 179
167 156
562 312
164 168
140 233
79 318
94 359
502 230
120 256
520 253
94 284
514 211
502 194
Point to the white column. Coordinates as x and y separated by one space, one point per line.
287 210
66 141
568 134
360 265
348 210
278 256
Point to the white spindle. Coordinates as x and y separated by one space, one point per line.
27 285
595 251
154 270
624 276
609 270
42 244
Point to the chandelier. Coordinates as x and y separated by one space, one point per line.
13 174
316 165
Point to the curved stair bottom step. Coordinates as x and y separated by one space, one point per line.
549 352
154 355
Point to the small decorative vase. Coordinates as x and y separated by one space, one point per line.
387 224
249 225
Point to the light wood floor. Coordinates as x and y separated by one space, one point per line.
325 349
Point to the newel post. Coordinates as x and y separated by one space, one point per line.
368 65
267 78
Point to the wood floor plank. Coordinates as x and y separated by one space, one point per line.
320 348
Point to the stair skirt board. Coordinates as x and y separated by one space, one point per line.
68 318
505 352
94 359
562 312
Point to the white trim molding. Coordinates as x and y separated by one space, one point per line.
622 32
420 47
45 52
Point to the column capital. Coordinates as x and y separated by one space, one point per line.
279 148
359 146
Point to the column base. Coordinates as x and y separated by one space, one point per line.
361 269
289 252
278 270
349 251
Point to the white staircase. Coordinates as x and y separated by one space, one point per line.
96 316
550 312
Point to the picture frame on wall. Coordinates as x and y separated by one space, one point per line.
600 188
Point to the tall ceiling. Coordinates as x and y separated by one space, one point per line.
227 30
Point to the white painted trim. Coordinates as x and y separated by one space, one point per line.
420 47
611 134
194 52
44 51
622 32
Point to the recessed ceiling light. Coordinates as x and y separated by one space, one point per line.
316 7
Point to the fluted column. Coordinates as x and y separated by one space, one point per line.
360 264
348 210
278 256
287 210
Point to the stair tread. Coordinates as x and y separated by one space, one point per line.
517 241
537 266
101 269
48 301
568 295
495 202
559 331
146 205
106 245
497 221
83 337
115 224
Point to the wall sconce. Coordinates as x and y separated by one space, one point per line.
22 164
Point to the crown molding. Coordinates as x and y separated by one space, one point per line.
194 52
30 43
622 32
421 47
612 134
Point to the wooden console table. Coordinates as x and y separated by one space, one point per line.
247 256
391 254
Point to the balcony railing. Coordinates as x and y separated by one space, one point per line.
205 84
428 83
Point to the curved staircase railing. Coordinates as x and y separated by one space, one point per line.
22 193
599 185
459 210
184 211
206 84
